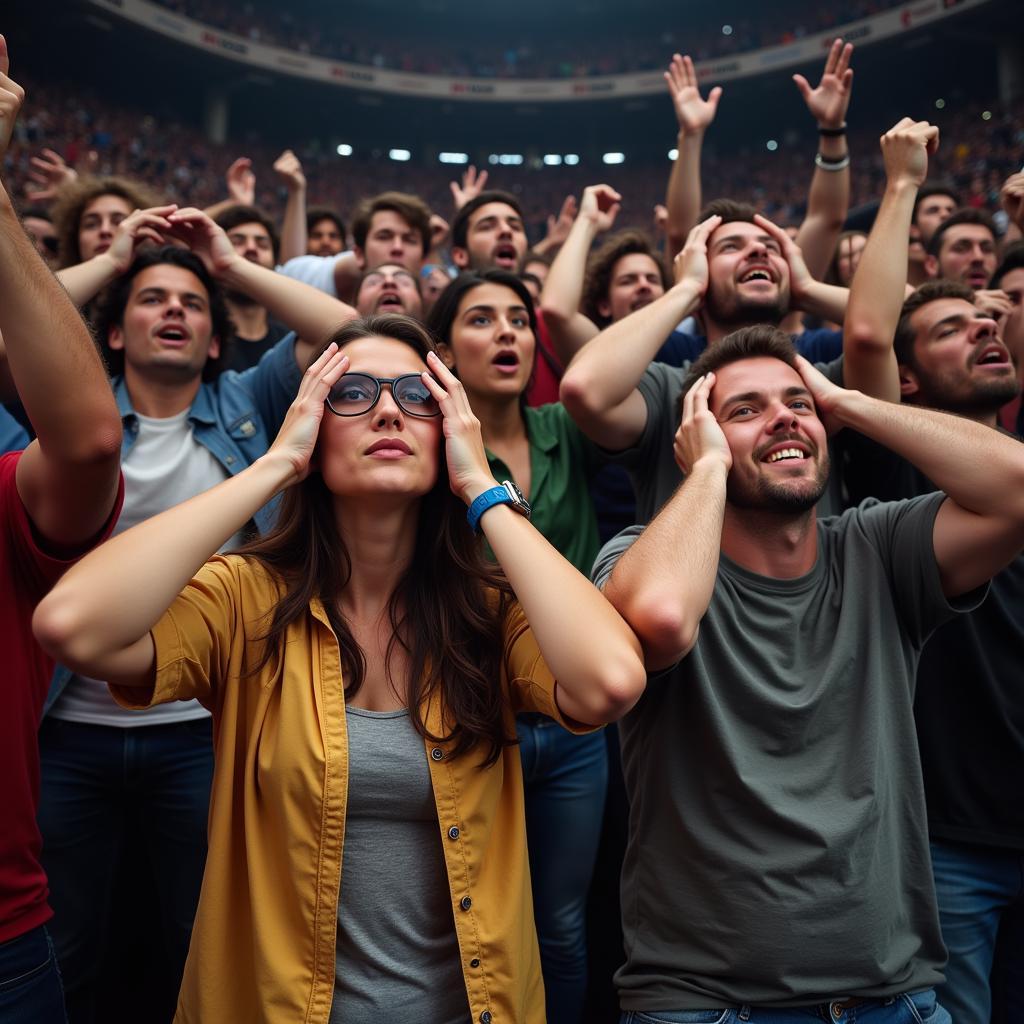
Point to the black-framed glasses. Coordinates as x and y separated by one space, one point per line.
358 393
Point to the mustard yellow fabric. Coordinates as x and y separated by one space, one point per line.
263 943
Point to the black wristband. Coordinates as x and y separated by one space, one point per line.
832 133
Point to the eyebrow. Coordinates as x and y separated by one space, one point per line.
157 291
492 309
795 391
743 238
958 318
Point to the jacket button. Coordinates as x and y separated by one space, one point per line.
465 903
485 1017
475 962
437 753
229 459
453 833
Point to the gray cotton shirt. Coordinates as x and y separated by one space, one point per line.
397 954
651 463
778 845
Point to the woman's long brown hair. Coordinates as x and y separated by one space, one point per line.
447 611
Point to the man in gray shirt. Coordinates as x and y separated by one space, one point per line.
778 852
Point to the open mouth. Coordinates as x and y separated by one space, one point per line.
993 355
506 256
757 274
389 301
173 335
788 450
507 361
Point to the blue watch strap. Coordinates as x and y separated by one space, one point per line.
482 502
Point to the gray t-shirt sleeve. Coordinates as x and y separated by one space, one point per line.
611 553
902 532
660 387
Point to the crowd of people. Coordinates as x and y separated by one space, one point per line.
469 616
634 44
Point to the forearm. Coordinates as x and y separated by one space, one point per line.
311 313
828 202
590 650
663 583
293 230
116 594
981 469
563 288
827 301
683 195
84 281
213 212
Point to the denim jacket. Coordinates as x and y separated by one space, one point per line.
234 417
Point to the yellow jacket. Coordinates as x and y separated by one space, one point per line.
263 943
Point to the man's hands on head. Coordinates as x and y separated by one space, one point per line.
829 101
693 113
139 226
288 168
905 150
241 182
472 185
829 399
12 96
800 278
204 237
700 438
691 263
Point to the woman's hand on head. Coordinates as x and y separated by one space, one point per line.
468 471
296 439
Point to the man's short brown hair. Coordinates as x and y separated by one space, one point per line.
601 266
410 208
729 210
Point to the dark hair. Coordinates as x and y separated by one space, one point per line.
832 274
601 266
236 215
110 312
532 256
410 208
1013 259
729 210
746 343
905 335
933 188
39 212
967 215
446 613
74 198
315 214
460 222
527 277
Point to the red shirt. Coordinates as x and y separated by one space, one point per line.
27 572
547 370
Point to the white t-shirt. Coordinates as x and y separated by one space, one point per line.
315 270
164 467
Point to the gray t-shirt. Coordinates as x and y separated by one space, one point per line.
651 463
778 845
397 955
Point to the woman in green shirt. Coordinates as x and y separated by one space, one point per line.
486 330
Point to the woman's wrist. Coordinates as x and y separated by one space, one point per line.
475 488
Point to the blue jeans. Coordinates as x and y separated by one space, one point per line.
909 1008
565 778
981 907
106 790
30 989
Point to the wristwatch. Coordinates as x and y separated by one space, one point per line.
506 494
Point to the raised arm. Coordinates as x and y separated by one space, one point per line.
241 184
600 386
589 649
312 314
664 598
470 186
694 115
559 227
97 619
980 527
67 478
560 298
879 285
293 232
829 198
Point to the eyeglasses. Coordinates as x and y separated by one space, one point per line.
376 278
357 393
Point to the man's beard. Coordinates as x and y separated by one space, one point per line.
973 398
741 312
783 496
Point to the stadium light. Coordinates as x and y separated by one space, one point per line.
614 158
552 159
572 159
344 149
939 104
771 145
986 115
506 159
727 30
673 155
401 155
453 158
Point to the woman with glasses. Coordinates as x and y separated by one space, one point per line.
364 666
487 333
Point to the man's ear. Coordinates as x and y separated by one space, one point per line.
444 350
360 257
460 257
909 385
214 350
931 266
115 338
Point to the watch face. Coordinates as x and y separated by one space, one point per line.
517 495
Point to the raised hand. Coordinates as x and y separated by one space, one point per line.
12 96
289 169
439 229
691 262
139 226
1012 197
660 218
468 471
208 241
472 185
241 182
700 436
800 278
828 102
994 302
296 439
560 226
600 205
693 113
50 174
906 148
